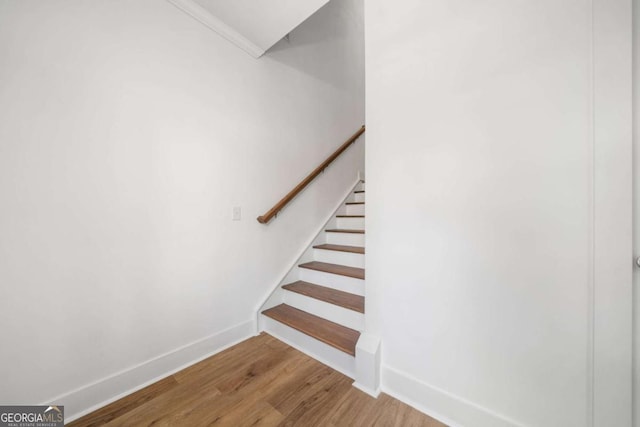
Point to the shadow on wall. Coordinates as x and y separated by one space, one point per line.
331 24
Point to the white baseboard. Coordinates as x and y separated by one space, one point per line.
90 397
373 393
435 402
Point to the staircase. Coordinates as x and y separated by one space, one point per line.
322 312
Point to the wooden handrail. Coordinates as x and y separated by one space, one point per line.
263 219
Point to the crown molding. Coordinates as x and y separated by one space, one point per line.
205 17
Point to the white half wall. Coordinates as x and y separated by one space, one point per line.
482 140
128 133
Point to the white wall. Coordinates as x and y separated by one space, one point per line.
128 132
479 207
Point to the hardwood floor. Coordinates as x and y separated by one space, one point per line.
259 382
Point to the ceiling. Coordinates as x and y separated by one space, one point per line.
252 25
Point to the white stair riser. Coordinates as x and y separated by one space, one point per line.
335 281
355 209
337 257
332 357
358 197
343 316
348 239
350 223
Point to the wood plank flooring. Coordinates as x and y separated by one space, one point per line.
259 382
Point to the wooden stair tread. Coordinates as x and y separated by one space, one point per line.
342 270
344 230
355 203
332 296
349 216
340 248
330 333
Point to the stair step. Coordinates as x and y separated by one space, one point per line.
341 248
355 203
349 223
354 209
342 270
330 333
340 253
359 191
349 216
344 230
332 296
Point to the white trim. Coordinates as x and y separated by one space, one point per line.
205 17
434 402
636 209
367 390
368 362
590 232
612 316
95 395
